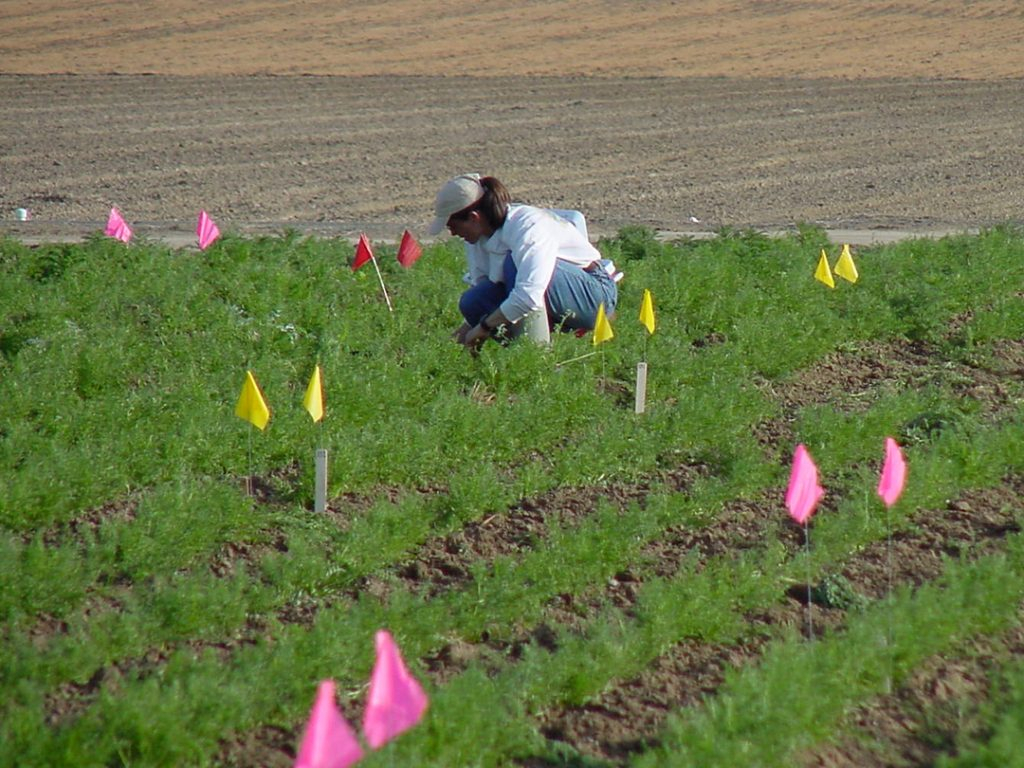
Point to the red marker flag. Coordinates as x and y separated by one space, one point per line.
408 250
894 473
206 230
364 253
396 701
803 493
328 741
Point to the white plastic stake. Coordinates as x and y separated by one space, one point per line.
641 387
320 492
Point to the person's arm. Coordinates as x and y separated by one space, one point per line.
534 245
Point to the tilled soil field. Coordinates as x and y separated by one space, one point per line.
339 155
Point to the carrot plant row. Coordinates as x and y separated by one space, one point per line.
121 464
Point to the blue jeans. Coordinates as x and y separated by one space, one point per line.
571 299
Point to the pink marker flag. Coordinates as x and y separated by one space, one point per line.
329 741
396 701
894 473
364 253
206 231
803 493
408 250
117 227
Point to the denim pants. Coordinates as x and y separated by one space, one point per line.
571 299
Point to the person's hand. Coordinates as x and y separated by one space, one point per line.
475 337
460 333
478 334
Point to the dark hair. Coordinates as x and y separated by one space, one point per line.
493 206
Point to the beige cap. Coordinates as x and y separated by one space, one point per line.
456 195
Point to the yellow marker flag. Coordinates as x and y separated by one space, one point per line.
314 399
823 273
845 267
647 312
602 328
251 405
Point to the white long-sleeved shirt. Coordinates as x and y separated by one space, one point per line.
535 238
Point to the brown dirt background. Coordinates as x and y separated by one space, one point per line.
335 117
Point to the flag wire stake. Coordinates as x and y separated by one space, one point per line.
807 547
248 477
575 359
604 376
888 569
381 279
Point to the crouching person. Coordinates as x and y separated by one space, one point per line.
521 259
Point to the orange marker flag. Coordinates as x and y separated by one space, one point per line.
408 250
647 312
314 399
823 274
602 328
251 405
364 253
845 267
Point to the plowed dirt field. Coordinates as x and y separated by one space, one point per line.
338 117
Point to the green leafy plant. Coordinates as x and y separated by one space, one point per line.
152 612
